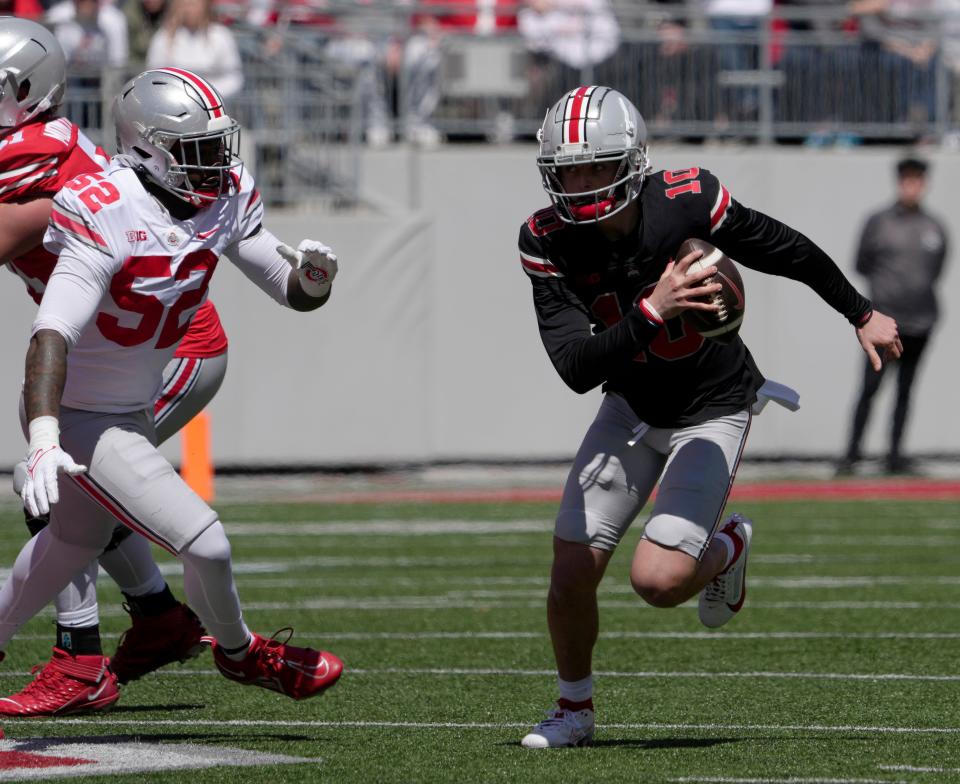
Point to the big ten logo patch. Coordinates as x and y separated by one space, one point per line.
136 235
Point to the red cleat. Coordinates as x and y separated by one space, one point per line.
156 640
65 684
271 664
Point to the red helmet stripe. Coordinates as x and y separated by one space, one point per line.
576 113
214 104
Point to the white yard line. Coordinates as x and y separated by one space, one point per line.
789 780
108 720
640 674
918 769
626 635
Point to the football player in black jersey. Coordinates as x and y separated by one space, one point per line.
677 408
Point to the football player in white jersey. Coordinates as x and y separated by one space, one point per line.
39 153
137 246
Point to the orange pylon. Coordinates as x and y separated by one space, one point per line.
196 466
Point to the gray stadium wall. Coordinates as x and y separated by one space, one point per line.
429 348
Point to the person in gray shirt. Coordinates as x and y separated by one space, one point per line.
902 252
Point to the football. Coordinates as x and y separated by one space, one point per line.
723 324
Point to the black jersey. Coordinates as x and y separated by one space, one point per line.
586 290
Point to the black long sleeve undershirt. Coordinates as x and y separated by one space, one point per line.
584 360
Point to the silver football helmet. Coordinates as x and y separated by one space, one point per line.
33 71
590 125
172 126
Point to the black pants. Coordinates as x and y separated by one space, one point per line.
913 347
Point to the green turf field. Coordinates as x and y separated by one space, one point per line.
844 665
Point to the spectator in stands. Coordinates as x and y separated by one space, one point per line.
191 39
668 72
415 64
144 18
900 48
94 39
949 13
820 62
67 18
733 18
565 39
902 253
28 9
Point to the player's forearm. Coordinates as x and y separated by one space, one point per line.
45 374
22 226
765 244
586 361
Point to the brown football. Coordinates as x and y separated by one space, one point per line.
723 324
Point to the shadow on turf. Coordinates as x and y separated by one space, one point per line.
178 706
663 743
653 743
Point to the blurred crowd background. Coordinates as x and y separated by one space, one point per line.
302 75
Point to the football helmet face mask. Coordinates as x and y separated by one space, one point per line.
171 125
592 125
33 71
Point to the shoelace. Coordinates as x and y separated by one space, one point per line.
272 655
558 717
716 589
43 684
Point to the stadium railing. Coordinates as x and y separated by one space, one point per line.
801 76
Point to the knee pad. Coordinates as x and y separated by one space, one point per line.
212 545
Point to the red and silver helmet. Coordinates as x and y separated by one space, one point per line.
33 71
590 125
171 125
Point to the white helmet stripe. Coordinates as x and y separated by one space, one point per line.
575 114
210 96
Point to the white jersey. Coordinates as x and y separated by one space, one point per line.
130 277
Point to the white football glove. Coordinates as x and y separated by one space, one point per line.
316 264
45 459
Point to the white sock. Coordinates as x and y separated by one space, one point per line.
131 566
731 549
211 591
76 604
576 691
40 572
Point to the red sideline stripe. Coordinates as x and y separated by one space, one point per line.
182 378
760 491
216 105
860 490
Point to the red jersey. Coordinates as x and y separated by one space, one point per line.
205 337
36 161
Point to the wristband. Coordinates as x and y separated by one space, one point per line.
44 432
863 319
650 312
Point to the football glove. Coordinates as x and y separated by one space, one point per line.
45 459
315 263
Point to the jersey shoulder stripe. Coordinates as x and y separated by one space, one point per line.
539 268
61 130
73 224
28 174
720 209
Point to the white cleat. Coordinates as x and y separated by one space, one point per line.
561 728
723 596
